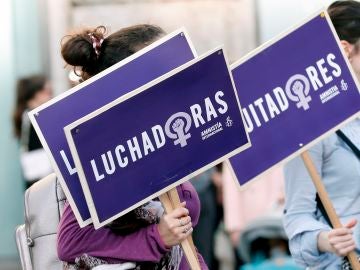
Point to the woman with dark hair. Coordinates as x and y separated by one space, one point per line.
313 243
31 92
145 237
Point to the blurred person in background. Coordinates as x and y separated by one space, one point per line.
209 187
263 244
243 206
313 242
145 238
31 92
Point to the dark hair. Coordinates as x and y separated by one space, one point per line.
92 52
26 89
345 15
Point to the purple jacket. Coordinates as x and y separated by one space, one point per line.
142 245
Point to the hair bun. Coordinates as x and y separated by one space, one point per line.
78 49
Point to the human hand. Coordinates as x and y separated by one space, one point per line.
176 226
339 241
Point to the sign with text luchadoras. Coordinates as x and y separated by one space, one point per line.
161 135
49 119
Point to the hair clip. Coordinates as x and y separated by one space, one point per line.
96 43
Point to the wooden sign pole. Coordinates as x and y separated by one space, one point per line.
329 208
170 201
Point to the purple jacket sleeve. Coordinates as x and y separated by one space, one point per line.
142 245
188 193
73 241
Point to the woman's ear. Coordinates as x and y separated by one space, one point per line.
347 47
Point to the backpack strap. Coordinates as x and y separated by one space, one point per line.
349 143
356 151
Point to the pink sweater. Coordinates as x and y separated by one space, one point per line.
142 245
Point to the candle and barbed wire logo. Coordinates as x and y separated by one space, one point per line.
177 128
229 122
344 85
297 89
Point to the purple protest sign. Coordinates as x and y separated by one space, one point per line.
161 135
49 119
294 91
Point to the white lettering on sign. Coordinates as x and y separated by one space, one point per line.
71 169
275 103
176 128
297 89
